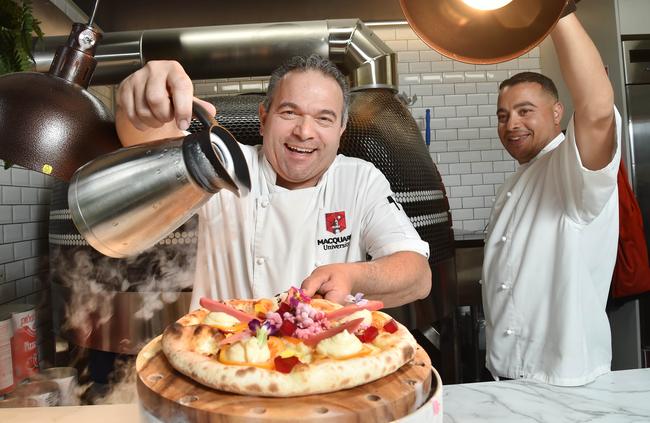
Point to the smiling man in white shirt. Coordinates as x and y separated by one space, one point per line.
312 217
552 237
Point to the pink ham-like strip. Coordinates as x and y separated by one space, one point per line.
350 326
234 338
213 305
352 308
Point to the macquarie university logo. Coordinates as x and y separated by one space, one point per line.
335 223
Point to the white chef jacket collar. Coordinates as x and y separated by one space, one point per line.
552 145
271 176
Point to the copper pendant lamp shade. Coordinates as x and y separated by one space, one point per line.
49 122
470 35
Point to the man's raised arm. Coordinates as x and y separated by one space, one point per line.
591 92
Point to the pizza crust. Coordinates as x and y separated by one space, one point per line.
321 376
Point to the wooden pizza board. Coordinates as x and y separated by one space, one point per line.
171 396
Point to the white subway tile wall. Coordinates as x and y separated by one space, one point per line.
24 210
462 99
24 213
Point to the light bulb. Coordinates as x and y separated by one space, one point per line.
486 4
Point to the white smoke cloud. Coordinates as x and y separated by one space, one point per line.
90 302
158 276
92 281
123 389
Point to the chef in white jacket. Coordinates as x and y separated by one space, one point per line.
552 237
312 218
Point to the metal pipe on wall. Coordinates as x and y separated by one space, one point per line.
241 50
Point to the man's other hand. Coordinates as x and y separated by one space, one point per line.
333 281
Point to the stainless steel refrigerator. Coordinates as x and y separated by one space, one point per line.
636 62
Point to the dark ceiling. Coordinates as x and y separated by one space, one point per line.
126 15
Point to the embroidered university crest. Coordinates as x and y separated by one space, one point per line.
335 222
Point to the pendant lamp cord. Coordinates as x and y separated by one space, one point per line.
92 17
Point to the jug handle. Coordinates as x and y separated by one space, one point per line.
211 124
203 116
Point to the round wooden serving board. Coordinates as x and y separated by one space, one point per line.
171 396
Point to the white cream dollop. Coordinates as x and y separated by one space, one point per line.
364 314
207 345
249 351
218 318
340 345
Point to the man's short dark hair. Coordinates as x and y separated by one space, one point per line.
547 84
306 63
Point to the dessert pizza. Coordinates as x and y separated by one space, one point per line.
287 346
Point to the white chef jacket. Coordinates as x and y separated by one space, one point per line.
273 238
549 257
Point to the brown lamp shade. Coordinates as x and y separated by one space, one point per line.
49 122
50 125
469 35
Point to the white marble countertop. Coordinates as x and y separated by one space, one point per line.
621 396
122 413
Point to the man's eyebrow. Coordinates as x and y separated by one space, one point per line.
516 106
287 104
292 105
329 112
524 103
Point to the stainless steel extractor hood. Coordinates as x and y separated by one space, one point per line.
241 50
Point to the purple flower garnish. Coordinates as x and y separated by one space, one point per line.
253 325
297 296
270 326
293 302
273 322
357 299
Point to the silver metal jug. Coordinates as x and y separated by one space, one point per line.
126 201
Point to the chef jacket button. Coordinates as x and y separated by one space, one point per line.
504 286
508 194
504 238
510 332
265 203
480 281
260 260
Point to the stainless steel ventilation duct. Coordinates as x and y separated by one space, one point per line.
241 50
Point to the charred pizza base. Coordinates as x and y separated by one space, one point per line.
180 342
